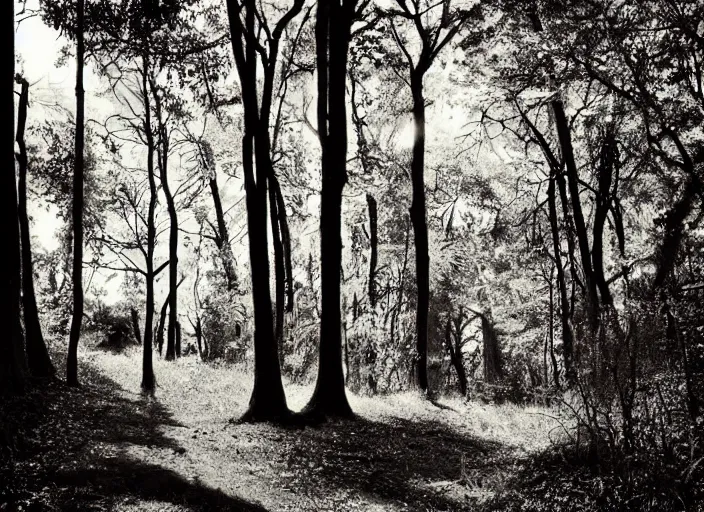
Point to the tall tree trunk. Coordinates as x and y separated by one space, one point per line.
332 36
268 401
285 241
567 338
551 337
38 359
603 205
420 231
279 272
171 351
77 214
148 380
222 239
13 364
162 163
565 140
374 242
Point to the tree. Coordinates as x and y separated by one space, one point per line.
433 38
12 356
38 359
268 401
77 217
163 148
333 31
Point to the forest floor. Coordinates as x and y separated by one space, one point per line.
104 446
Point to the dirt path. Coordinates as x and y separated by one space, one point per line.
105 447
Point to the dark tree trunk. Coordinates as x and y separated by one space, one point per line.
178 339
162 163
285 241
13 365
268 401
493 362
674 230
567 338
77 214
456 357
563 132
374 242
135 325
279 272
420 231
603 205
38 359
332 36
160 325
222 238
551 337
577 217
148 380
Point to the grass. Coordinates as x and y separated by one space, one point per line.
118 450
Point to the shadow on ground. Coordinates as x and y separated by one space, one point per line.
415 465
66 450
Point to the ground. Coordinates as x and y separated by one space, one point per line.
107 447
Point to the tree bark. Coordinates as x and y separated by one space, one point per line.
38 359
456 357
373 249
148 380
567 337
567 150
222 239
420 231
178 339
160 325
279 272
493 362
285 241
332 36
551 337
13 364
162 163
77 214
268 401
603 205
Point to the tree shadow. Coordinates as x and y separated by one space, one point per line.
410 463
72 452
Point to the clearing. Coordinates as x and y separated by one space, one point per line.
106 447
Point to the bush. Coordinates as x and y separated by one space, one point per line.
112 325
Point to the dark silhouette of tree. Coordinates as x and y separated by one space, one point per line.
268 401
38 359
163 148
433 37
77 215
333 30
12 356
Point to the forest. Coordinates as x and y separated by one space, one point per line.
351 255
